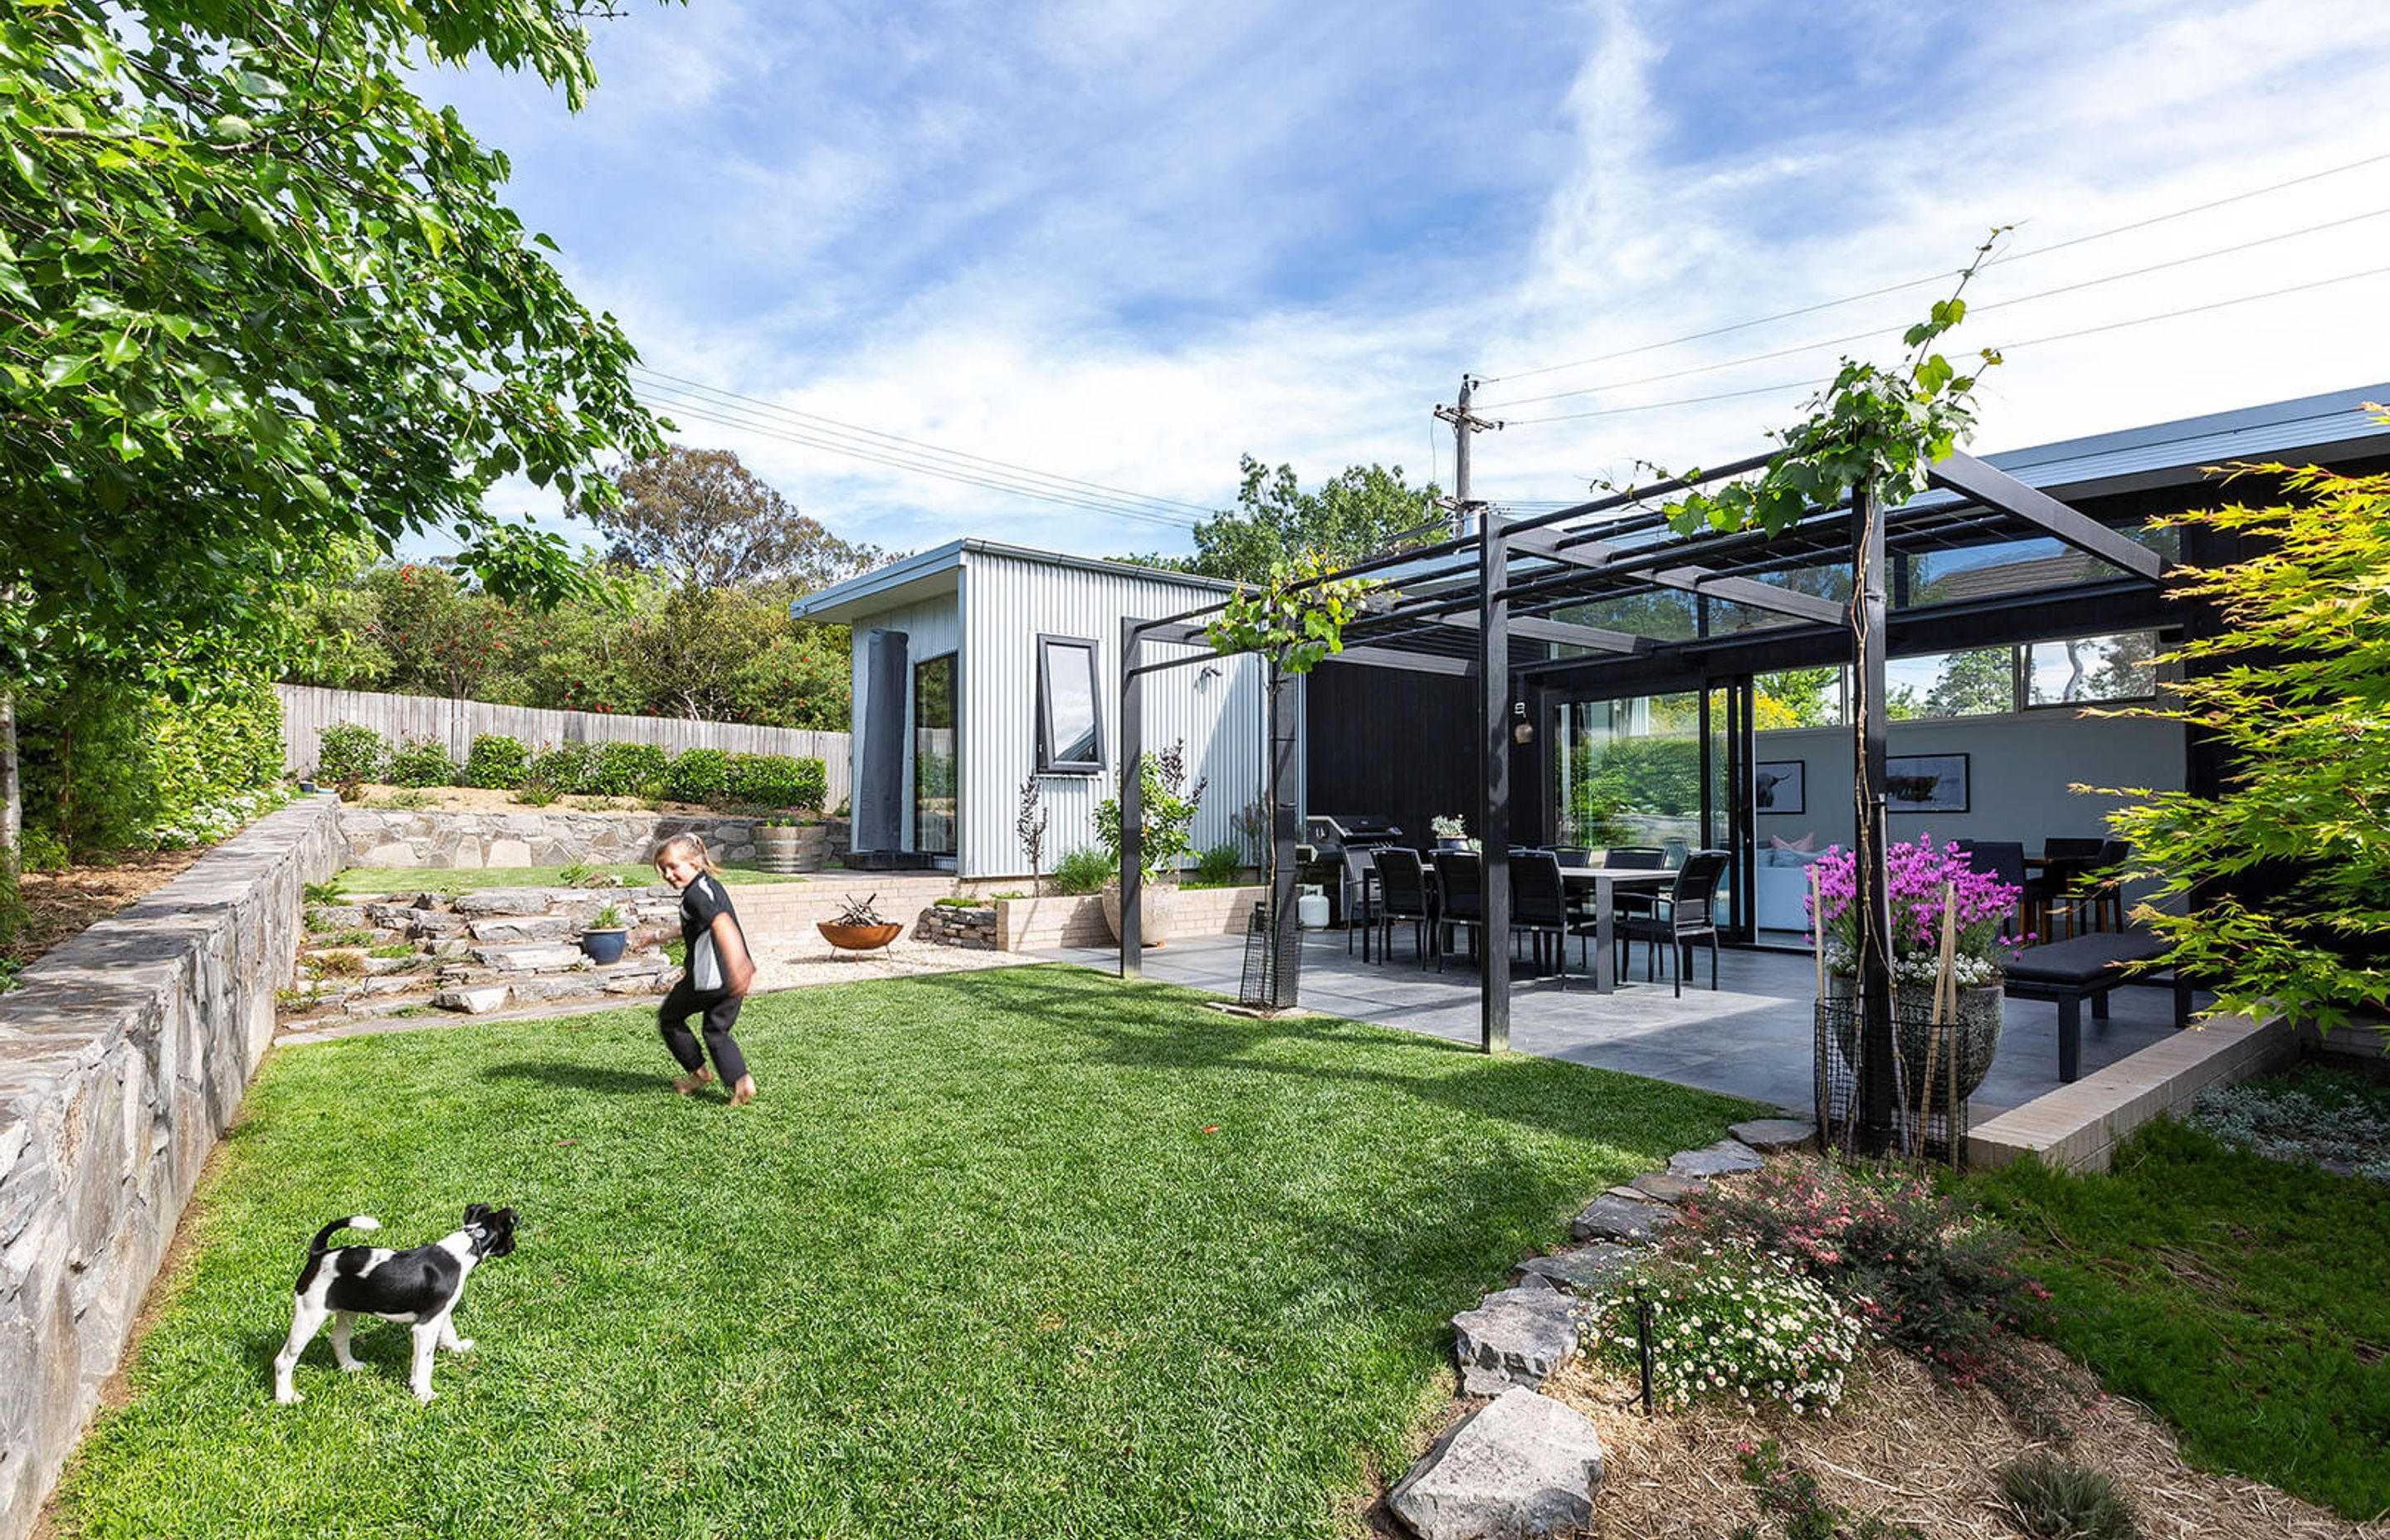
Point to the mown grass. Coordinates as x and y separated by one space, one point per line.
374 881
2242 1299
1024 1253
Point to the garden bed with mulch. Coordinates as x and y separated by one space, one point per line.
60 905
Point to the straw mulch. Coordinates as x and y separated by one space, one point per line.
1914 1451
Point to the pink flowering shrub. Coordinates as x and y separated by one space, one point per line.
1918 872
1917 1267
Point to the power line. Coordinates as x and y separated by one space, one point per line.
2003 347
1976 311
1942 276
735 418
817 423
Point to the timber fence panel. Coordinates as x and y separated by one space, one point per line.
307 709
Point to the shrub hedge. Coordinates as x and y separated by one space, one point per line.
497 761
422 761
698 776
350 750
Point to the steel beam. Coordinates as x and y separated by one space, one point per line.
1132 805
1748 591
1995 488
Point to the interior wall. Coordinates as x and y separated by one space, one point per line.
2020 769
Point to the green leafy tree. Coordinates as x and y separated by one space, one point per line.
1797 698
259 300
1977 682
1354 516
706 519
2294 687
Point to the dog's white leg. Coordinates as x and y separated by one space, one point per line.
306 1319
426 1337
344 1322
448 1338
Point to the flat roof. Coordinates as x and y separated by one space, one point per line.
926 574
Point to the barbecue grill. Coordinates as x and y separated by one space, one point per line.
1330 835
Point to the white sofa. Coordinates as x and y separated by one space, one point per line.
1780 891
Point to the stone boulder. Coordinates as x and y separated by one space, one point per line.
1767 1135
1580 1269
1516 1337
1610 1217
1723 1159
1521 1466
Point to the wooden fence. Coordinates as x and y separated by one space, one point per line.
308 710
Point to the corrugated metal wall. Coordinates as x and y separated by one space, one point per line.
931 626
307 709
1010 603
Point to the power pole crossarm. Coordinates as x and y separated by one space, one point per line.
1464 423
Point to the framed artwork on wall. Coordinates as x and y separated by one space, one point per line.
1776 786
1925 783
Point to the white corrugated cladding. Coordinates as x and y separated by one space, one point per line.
1013 601
931 626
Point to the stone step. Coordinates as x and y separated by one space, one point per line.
483 996
527 958
519 928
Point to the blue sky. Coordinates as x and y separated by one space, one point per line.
1123 243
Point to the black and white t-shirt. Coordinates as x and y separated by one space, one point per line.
700 901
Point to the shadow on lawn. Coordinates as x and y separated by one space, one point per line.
1533 1092
580 1077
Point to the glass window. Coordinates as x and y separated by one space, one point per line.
935 770
2082 669
1798 697
1069 726
1980 681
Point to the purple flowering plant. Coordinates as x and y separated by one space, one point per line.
1918 872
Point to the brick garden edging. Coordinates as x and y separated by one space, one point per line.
123 1056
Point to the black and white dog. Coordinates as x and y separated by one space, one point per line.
421 1287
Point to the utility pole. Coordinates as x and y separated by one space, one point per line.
1464 423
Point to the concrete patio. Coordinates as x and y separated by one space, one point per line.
1751 1038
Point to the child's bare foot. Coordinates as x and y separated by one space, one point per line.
744 1092
696 1078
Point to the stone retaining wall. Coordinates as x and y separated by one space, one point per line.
949 926
533 837
123 1056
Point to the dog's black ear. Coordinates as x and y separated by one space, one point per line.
502 1232
476 1212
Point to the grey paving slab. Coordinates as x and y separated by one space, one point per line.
1751 1038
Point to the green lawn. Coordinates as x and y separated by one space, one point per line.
374 881
2242 1299
1028 1252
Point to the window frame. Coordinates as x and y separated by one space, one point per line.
1047 763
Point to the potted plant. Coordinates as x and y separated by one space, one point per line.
605 936
1165 840
1450 833
859 927
1980 904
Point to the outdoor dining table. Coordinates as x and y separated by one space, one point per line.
1603 882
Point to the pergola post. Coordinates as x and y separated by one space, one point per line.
1132 804
1286 937
1494 808
1873 897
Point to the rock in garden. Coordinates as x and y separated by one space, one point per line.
512 927
1580 1269
1722 1159
335 916
1517 1337
1522 1466
501 901
527 959
1774 1134
473 1002
1612 1218
1666 1186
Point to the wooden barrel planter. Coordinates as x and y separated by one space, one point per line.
791 847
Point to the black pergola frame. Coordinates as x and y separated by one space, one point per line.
1466 609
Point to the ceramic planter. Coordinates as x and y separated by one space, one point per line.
1154 911
605 946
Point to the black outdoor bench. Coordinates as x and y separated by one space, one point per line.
2087 967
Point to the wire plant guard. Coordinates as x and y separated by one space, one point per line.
1273 963
1929 1115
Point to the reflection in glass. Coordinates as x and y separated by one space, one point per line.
935 755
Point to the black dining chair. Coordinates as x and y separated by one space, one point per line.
1402 894
1360 910
1573 856
2095 901
1641 858
1685 916
1539 907
2005 860
2051 895
1460 890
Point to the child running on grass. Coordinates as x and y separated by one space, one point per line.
715 981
